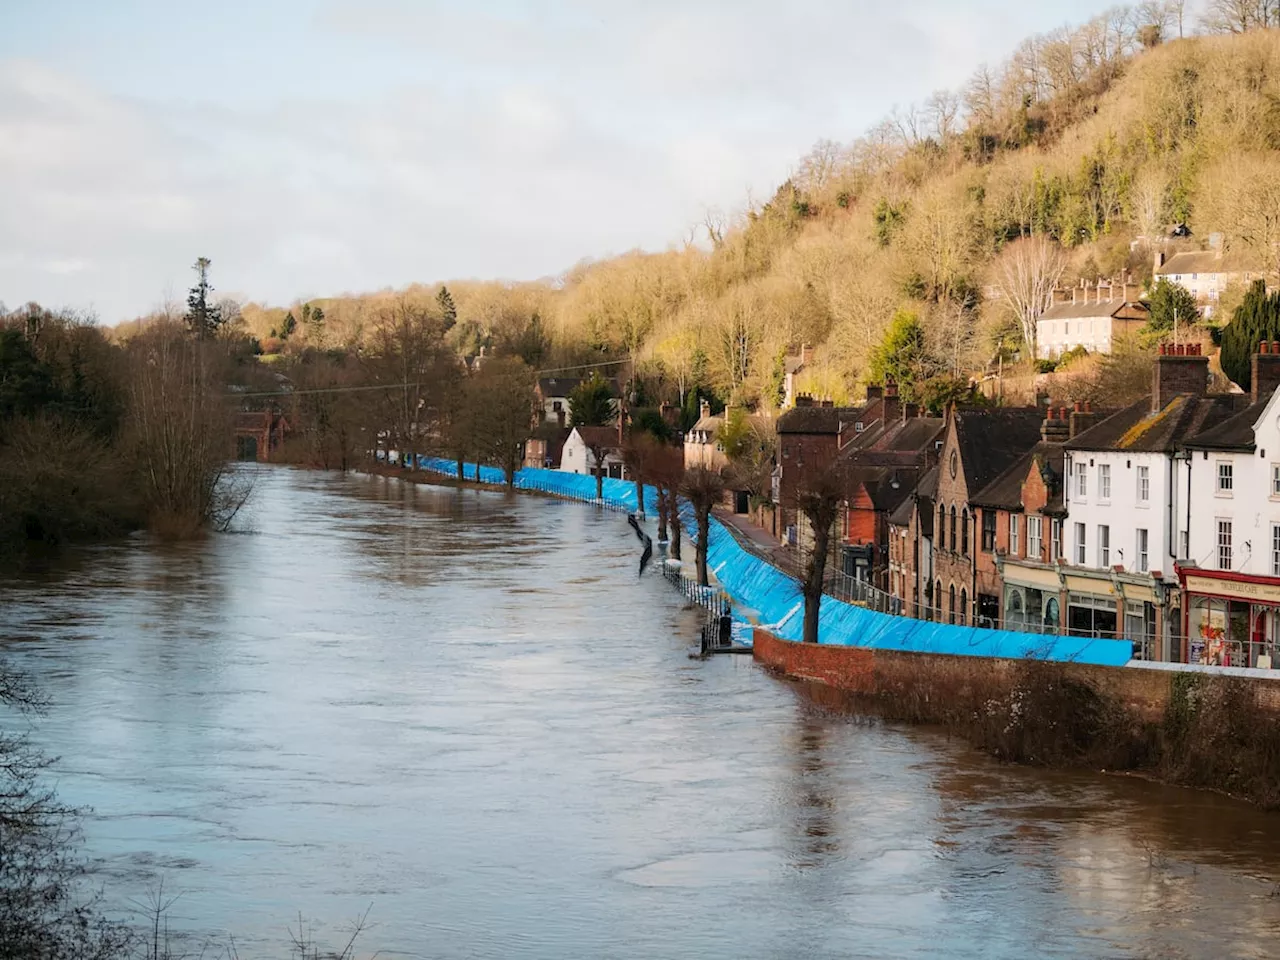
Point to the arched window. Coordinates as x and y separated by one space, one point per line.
1051 613
964 532
954 541
952 603
964 605
942 527
937 599
1014 617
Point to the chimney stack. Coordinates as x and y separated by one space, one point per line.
828 403
704 409
874 392
1265 370
804 400
1159 260
806 353
1054 429
1179 370
910 411
1081 419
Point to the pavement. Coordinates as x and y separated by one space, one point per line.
758 540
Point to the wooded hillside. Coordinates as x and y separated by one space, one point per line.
1098 138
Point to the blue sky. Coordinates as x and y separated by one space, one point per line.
314 147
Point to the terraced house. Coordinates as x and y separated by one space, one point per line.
1128 506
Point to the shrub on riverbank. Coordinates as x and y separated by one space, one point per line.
97 437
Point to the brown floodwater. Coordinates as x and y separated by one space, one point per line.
466 712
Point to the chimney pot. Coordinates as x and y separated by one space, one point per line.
1053 414
1088 406
1264 347
1077 406
1275 346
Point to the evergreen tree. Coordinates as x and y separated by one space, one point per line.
313 322
1170 302
1256 319
900 355
289 325
448 311
203 316
591 403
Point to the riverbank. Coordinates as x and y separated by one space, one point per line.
1190 729
1054 702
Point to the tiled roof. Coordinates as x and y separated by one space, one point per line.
990 440
1192 261
817 419
1233 433
1138 429
923 495
1107 308
1005 491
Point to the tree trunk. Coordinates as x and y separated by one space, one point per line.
600 483
704 528
661 498
460 476
639 497
477 471
814 580
677 528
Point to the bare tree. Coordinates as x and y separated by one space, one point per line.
818 166
181 426
1149 203
1240 16
818 499
1026 274
502 404
943 112
703 488
407 355
667 469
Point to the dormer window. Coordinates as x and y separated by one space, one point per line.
857 427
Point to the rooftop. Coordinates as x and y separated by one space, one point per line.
991 440
1138 429
816 419
1192 261
1105 308
1005 491
604 437
1233 433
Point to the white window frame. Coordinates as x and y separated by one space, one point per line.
1275 549
1223 544
1081 545
1035 538
1013 535
1275 481
1082 482
1055 535
1224 480
1104 545
1104 483
1144 485
1142 551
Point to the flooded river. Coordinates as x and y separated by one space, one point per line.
466 712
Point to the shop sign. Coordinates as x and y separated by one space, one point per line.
1237 590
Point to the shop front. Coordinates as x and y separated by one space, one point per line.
1232 619
1032 598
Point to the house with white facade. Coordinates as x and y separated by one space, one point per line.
590 447
1202 272
553 397
1127 505
1230 575
1095 317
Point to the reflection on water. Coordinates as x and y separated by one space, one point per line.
466 710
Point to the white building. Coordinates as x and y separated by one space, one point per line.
1127 508
1199 271
1231 574
578 456
1091 317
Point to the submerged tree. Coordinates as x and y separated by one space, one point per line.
703 488
818 499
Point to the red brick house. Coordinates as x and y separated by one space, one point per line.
259 434
979 445
881 467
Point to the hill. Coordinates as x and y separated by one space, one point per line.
1098 138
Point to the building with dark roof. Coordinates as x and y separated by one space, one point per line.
1202 272
553 396
1230 575
1092 317
1127 500
880 467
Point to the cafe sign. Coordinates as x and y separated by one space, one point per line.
1235 589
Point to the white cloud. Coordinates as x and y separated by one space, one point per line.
439 139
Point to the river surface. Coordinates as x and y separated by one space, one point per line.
466 713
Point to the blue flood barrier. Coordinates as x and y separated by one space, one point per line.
777 599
